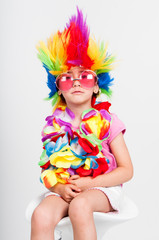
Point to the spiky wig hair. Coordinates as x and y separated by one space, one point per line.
74 47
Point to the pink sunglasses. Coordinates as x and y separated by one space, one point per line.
87 79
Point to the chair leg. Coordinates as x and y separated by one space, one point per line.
58 235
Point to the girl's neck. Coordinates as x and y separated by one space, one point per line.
78 110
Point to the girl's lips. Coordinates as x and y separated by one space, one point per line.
77 92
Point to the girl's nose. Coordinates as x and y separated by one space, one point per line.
75 74
76 83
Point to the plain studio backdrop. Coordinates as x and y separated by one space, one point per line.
131 30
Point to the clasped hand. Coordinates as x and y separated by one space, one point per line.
82 183
75 186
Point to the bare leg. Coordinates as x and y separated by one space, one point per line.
81 213
46 216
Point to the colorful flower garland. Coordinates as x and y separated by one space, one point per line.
67 152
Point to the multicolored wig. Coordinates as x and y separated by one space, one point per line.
75 47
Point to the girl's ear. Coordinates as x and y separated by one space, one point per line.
59 92
96 89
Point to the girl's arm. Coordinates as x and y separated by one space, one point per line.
123 172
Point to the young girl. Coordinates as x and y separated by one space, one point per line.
85 160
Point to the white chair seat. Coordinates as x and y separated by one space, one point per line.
103 221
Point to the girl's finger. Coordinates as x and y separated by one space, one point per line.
75 188
74 177
73 182
74 194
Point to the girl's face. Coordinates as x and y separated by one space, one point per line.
78 94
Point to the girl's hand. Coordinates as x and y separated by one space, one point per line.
67 191
81 182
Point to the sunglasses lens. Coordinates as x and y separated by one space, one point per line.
88 79
64 82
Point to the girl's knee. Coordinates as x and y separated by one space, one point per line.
42 219
79 209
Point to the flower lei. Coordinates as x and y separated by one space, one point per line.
67 152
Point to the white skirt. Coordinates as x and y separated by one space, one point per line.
114 194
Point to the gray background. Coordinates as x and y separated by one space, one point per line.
131 29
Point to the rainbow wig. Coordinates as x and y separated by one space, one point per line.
74 47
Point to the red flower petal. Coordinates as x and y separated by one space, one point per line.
83 172
104 130
46 165
103 167
54 138
102 105
87 146
46 182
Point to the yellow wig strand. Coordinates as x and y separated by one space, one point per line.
97 52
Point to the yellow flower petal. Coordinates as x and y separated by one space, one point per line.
48 178
87 164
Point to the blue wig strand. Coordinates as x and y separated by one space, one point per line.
51 82
105 81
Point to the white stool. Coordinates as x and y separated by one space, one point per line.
103 221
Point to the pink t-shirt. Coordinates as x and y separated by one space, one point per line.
116 127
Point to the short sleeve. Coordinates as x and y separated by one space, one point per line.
116 127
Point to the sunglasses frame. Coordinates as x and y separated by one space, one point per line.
87 70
